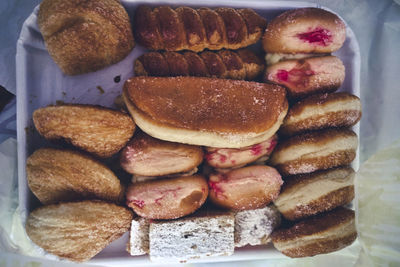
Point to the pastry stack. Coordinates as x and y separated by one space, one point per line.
316 146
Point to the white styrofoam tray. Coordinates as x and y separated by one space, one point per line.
40 83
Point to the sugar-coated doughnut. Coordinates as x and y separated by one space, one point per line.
314 151
238 157
303 77
304 30
322 111
148 156
167 198
245 188
304 195
323 233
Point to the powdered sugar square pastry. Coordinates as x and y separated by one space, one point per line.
202 235
139 237
253 227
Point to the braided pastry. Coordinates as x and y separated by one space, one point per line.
164 28
239 65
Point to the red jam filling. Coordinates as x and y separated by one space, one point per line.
222 158
319 36
283 75
209 156
216 188
297 77
256 150
139 203
272 145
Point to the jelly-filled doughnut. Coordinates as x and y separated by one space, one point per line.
238 157
303 77
148 156
304 30
167 198
245 188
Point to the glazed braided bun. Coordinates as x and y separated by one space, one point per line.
164 28
240 64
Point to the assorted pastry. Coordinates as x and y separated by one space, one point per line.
217 157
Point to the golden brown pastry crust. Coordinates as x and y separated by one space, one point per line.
85 36
197 29
77 231
336 188
315 151
323 233
64 175
242 64
98 130
207 104
148 156
331 110
288 32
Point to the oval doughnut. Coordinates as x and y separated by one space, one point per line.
246 188
304 195
314 151
308 76
167 198
322 111
304 30
148 156
238 157
323 233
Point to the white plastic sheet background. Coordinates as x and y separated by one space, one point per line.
377 28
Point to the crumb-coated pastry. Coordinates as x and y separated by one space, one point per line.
322 111
314 151
304 30
185 28
95 129
77 231
147 156
85 36
246 188
323 233
201 235
56 175
304 195
253 227
206 111
307 76
238 157
239 65
168 198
